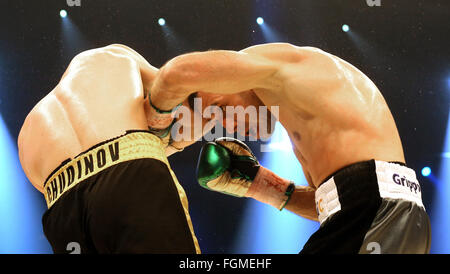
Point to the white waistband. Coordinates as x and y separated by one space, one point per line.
394 181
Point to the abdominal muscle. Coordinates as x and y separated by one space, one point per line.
323 146
322 157
331 138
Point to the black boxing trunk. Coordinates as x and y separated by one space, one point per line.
370 207
120 196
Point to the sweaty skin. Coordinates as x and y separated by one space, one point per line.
334 114
100 96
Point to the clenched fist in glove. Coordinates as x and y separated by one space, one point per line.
228 166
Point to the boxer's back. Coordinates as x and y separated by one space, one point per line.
99 97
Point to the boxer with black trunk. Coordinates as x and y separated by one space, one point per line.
342 131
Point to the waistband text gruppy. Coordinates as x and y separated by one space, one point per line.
401 180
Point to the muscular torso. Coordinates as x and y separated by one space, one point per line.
333 113
95 101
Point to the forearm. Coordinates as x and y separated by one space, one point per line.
302 203
220 72
166 93
228 166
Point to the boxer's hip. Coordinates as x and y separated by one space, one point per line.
133 145
370 205
127 183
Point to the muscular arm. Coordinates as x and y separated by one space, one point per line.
220 71
303 203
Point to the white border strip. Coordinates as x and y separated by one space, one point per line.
394 181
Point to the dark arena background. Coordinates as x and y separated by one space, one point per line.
402 46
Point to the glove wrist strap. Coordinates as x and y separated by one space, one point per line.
269 188
160 119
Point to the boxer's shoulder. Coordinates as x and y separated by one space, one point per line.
101 60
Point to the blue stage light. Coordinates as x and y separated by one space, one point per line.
426 171
260 20
440 223
259 232
345 28
161 21
21 205
63 14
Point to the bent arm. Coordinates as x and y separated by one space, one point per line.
221 72
302 203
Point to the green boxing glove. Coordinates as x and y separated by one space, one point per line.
228 166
